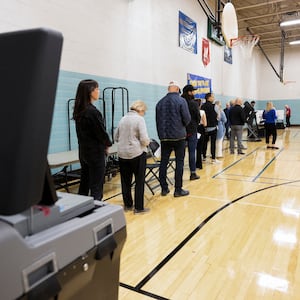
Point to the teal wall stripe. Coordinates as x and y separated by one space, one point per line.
149 93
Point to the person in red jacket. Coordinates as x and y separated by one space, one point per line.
287 115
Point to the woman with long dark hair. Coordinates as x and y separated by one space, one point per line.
93 140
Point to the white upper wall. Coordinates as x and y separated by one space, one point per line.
136 40
269 85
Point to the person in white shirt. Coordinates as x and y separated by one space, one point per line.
132 138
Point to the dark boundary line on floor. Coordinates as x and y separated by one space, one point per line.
132 288
267 165
112 196
138 287
234 163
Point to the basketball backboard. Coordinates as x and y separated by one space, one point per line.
229 23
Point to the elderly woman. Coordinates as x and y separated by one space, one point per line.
132 138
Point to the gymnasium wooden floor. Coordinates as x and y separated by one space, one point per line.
236 236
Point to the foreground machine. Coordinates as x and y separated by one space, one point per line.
52 245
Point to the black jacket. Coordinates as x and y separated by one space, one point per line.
91 132
237 115
172 117
191 128
211 114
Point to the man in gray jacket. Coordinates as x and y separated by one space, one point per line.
172 117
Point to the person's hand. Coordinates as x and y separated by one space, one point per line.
106 150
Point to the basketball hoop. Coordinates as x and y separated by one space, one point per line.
246 43
285 82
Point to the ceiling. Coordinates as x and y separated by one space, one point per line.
263 18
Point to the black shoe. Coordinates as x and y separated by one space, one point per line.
181 193
241 153
141 211
165 192
194 176
128 208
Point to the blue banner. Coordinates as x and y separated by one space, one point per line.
187 33
202 84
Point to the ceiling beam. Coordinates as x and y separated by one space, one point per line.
260 25
282 12
260 4
265 25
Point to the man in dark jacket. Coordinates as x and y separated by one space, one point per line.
211 129
237 120
191 129
172 117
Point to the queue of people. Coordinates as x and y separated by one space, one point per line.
180 121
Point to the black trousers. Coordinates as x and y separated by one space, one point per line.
92 163
271 130
212 135
129 167
166 148
199 152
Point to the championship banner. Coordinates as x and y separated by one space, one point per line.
205 52
187 33
228 54
202 84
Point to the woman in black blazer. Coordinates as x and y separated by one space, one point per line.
92 137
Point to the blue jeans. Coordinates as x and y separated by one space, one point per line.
166 148
192 146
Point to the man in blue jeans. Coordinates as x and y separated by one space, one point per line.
172 117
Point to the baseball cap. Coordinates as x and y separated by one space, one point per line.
189 88
173 83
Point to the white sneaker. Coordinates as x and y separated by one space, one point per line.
215 161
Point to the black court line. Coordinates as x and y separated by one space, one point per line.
235 162
296 133
154 296
138 287
112 196
267 165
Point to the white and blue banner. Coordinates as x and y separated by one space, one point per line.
202 84
187 33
